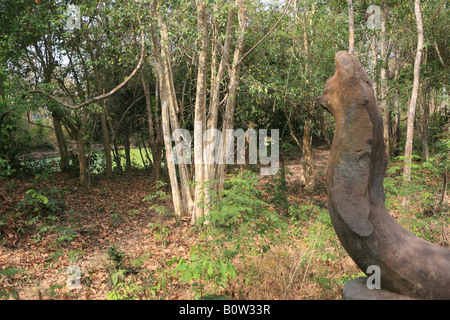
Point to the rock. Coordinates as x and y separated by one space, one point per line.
356 289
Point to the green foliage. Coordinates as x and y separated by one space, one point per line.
278 191
160 233
203 266
122 289
115 219
280 78
439 164
6 169
426 216
5 291
97 162
239 224
309 209
425 193
132 287
41 207
130 281
158 194
116 256
41 201
242 209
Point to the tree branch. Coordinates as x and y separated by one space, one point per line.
37 124
106 95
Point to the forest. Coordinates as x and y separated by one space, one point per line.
175 150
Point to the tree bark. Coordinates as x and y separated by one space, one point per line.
414 94
203 172
106 143
351 29
397 132
425 123
81 150
168 111
200 114
232 88
374 64
217 75
167 77
176 197
383 80
126 143
307 174
155 141
62 145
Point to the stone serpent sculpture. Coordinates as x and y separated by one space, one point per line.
410 267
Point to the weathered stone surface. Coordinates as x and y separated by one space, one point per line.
356 168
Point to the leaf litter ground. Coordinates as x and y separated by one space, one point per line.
113 214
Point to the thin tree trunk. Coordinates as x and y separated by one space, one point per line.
162 64
81 158
146 152
117 156
307 157
2 92
106 144
383 80
200 114
413 102
232 88
187 201
307 174
142 156
126 143
374 65
154 139
213 114
425 116
291 130
397 132
351 38
62 145
176 197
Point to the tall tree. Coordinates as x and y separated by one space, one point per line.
233 83
182 199
414 94
384 77
78 123
200 111
224 78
